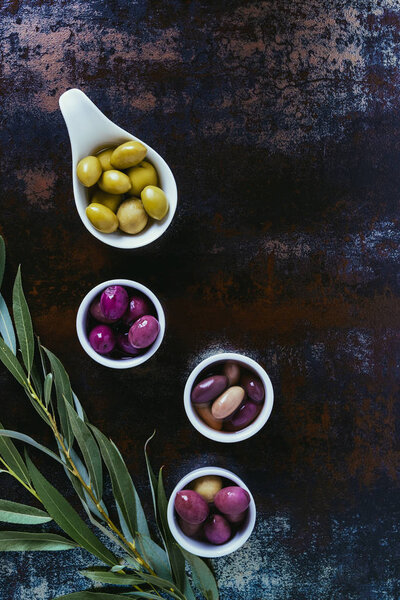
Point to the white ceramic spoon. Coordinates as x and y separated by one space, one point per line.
90 131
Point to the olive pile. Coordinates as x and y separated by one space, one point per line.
211 510
228 399
124 192
121 323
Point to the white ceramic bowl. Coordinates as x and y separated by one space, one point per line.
91 131
81 325
226 436
203 548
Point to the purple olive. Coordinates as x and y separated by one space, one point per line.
217 530
191 507
124 344
246 414
114 302
253 387
97 313
232 500
144 332
209 389
236 518
138 306
102 339
189 529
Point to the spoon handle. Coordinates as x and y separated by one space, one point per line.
88 128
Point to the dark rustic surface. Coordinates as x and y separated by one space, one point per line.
280 120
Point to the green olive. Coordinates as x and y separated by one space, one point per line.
114 182
89 170
104 157
101 217
128 155
131 216
154 201
143 174
112 201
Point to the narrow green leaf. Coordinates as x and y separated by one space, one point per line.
23 323
146 595
174 554
28 440
13 512
187 590
152 477
38 408
6 326
48 383
12 457
11 362
155 556
22 541
121 481
89 449
67 518
2 258
203 577
37 381
79 408
105 576
163 584
63 392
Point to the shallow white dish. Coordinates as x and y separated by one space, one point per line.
91 131
203 548
81 325
226 436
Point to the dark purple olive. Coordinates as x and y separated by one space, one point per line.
209 389
253 387
189 529
114 302
138 306
232 500
191 507
246 414
217 530
236 518
124 344
102 339
97 313
144 332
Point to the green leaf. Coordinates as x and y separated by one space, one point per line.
48 383
142 595
67 518
37 407
23 323
11 362
6 326
105 576
12 512
28 440
174 554
2 258
63 392
160 508
203 577
121 481
155 556
89 449
22 541
12 457
37 381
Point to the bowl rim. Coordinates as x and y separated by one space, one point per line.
81 317
242 434
192 545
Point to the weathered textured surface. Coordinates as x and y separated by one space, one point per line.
281 123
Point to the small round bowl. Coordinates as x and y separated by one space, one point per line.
228 437
204 548
81 325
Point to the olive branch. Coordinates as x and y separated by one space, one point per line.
132 558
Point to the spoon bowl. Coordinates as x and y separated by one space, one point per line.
91 131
